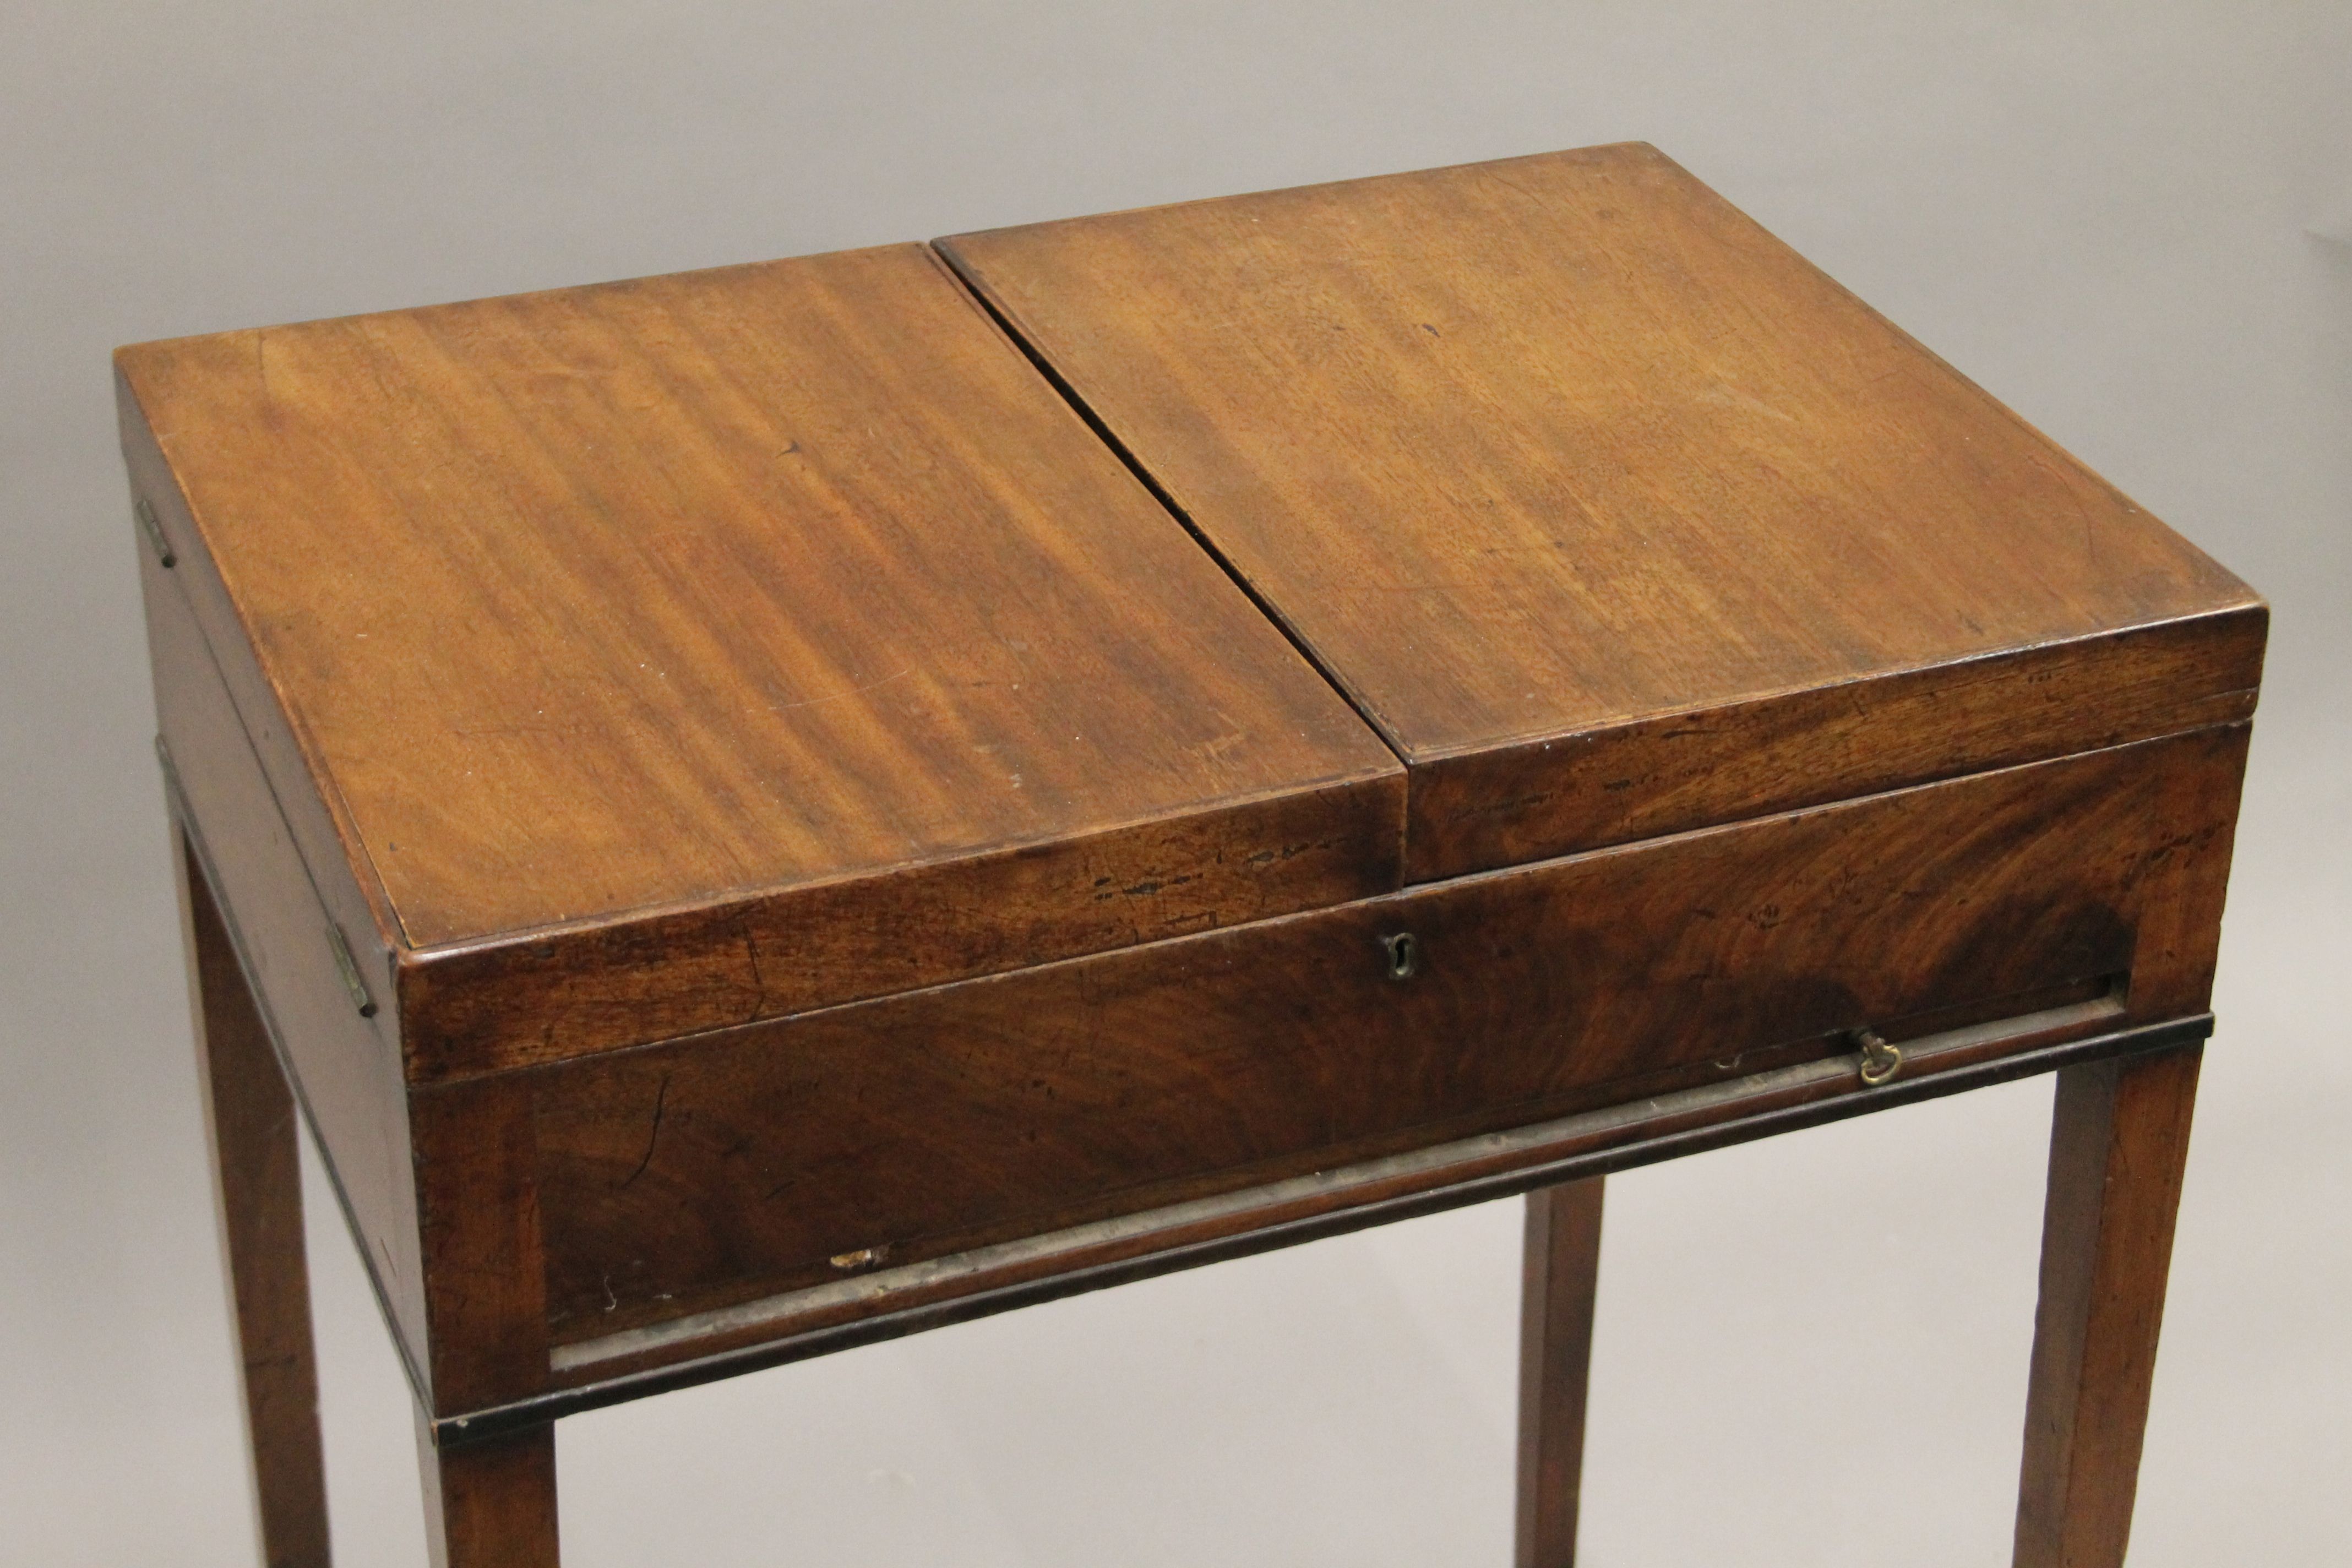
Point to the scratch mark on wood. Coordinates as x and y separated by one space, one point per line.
653 1137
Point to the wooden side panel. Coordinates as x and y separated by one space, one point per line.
320 829
345 1068
689 1175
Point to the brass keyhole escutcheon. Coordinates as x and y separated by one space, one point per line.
1403 951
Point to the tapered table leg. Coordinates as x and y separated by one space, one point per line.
490 1504
1559 1274
257 1183
2118 1141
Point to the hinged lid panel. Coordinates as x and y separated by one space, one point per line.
1610 512
711 646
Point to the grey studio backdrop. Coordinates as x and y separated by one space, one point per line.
2134 223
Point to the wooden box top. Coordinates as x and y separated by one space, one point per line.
674 653
1615 515
779 624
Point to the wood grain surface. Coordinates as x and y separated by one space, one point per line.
346 1070
317 821
688 604
683 1176
729 783
1560 1277
1614 514
479 1208
254 1138
490 1505
2119 1146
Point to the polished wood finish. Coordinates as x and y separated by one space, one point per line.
315 820
346 1068
478 1207
1559 1278
257 1186
679 1177
490 1504
1662 775
488 1008
1431 1178
1615 515
704 649
750 827
2118 1145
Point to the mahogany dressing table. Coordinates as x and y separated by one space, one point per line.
765 809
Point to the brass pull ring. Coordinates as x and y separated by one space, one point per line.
1880 1061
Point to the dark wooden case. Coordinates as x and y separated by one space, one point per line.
793 803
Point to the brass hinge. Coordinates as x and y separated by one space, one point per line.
170 777
350 969
153 530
